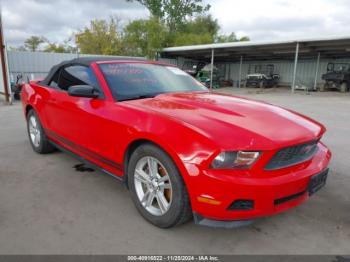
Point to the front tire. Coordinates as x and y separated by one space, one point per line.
157 188
36 134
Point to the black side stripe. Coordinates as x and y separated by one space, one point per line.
83 150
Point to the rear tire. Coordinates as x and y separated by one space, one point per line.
37 137
147 190
343 87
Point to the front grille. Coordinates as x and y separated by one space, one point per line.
292 155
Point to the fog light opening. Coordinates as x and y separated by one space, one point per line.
242 204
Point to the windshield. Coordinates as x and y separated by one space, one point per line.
129 81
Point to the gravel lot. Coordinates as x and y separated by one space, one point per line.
47 207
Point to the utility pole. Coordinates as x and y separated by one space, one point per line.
3 62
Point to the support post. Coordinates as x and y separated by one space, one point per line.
317 68
212 69
295 66
3 63
240 72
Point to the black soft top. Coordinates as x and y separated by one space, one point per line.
85 61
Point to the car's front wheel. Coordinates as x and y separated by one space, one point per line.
37 136
157 187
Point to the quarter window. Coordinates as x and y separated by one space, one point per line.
54 80
74 75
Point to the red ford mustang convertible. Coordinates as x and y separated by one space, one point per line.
180 149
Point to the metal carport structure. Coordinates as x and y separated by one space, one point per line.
293 50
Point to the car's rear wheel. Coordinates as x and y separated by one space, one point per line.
37 136
157 187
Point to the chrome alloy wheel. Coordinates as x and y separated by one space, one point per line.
34 131
153 186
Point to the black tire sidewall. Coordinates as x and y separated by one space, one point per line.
176 209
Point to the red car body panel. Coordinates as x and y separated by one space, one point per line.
192 128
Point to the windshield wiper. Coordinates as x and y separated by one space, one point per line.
138 97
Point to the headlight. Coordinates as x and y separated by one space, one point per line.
239 160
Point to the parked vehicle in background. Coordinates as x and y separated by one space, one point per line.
180 149
204 76
16 87
337 77
192 68
262 76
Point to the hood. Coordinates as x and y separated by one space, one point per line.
234 122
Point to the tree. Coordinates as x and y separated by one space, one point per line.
33 42
101 37
244 38
55 48
18 48
174 12
226 38
230 38
144 37
60 48
201 30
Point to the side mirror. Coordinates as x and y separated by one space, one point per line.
83 91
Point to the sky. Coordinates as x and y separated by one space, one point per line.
57 20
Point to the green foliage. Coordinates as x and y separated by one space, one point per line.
102 38
204 24
174 12
230 38
18 48
144 37
33 43
60 48
226 38
201 30
244 38
55 48
192 39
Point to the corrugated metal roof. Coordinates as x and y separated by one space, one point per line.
330 47
254 43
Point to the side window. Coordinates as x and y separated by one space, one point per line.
75 75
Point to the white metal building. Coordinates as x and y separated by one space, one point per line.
299 62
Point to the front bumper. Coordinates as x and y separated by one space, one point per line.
270 193
202 221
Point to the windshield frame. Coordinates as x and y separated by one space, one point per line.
150 94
